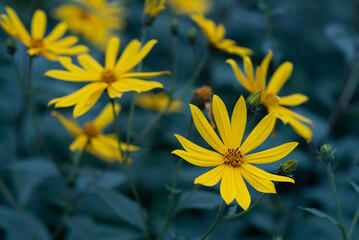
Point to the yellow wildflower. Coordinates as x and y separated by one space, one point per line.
154 7
51 47
188 7
231 161
92 19
269 98
116 77
90 136
158 102
215 35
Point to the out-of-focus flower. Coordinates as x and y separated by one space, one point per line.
269 98
90 136
158 102
95 20
189 7
51 46
216 34
154 7
231 161
116 77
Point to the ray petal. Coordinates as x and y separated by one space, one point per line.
228 187
260 184
79 143
211 177
279 78
293 100
243 197
271 155
106 116
239 75
220 114
199 159
238 121
71 126
111 52
265 175
38 24
56 33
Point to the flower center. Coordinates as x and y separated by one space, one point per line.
84 15
233 157
37 43
90 130
108 76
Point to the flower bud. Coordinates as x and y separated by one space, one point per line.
10 46
174 26
147 20
253 102
287 168
201 96
326 153
192 35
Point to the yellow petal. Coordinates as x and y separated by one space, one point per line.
199 159
293 100
71 126
20 29
228 187
65 42
271 155
141 54
280 76
89 63
144 74
206 131
103 150
56 33
38 24
222 121
127 56
75 50
243 197
238 121
111 52
70 76
248 67
263 174
131 84
106 116
301 129
239 75
113 93
259 133
211 177
79 143
66 62
260 184
264 69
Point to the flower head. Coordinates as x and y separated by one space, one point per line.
92 19
233 159
216 34
90 136
158 102
154 7
269 98
51 46
116 77
188 7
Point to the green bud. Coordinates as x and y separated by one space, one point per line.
287 168
10 46
326 153
148 20
254 100
174 26
192 35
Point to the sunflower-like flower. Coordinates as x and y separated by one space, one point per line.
93 19
269 98
116 77
51 46
154 7
233 159
158 102
215 35
90 136
188 7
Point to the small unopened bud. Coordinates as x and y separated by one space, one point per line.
174 26
148 20
287 168
10 46
254 99
326 153
192 35
201 96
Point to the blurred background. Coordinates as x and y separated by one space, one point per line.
319 37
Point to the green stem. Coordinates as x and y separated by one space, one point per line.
75 164
8 195
182 203
216 221
334 190
130 122
18 75
174 186
354 222
146 232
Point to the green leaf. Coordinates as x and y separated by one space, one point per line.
124 207
202 200
82 228
354 185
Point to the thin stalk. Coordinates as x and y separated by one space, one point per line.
18 75
146 231
216 221
182 203
11 199
130 122
174 186
334 190
354 222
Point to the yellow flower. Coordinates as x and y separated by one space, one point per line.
231 161
158 102
275 104
90 136
215 35
190 6
154 7
116 77
51 47
92 19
